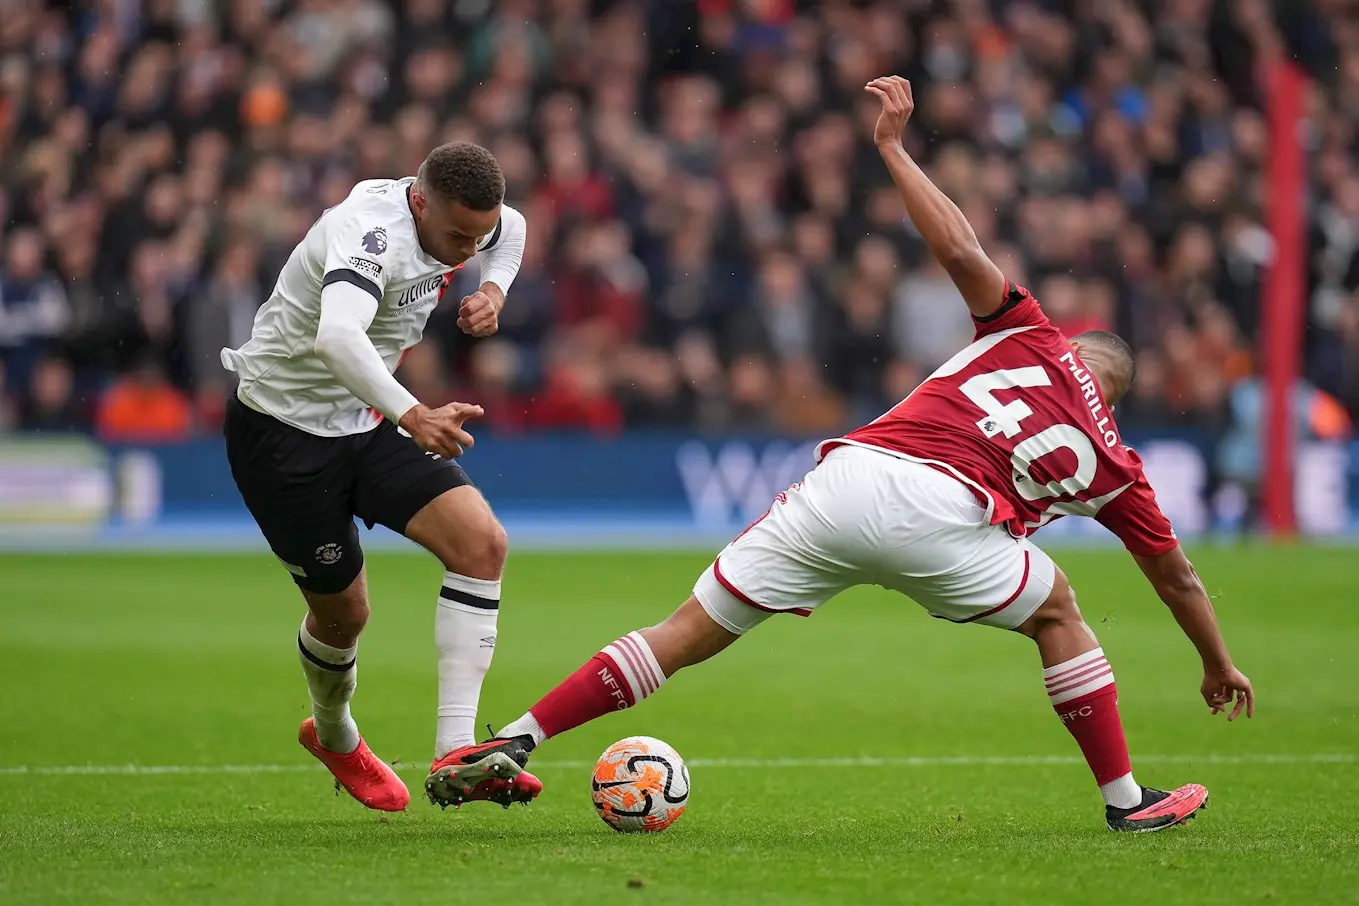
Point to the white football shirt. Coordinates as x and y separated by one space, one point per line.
368 240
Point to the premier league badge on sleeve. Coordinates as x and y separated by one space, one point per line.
375 241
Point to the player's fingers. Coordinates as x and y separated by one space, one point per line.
877 92
464 440
1250 702
897 92
889 97
1240 703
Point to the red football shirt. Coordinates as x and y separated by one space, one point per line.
1019 418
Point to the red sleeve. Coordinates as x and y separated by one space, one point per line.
1021 309
1136 518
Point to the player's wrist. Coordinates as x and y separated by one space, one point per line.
412 417
1217 665
493 292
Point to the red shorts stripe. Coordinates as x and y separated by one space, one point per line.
745 598
1023 583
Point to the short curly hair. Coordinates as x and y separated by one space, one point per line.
1117 348
464 173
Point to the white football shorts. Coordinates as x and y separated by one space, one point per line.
866 517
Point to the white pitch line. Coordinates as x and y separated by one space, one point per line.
909 761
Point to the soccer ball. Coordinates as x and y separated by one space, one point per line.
640 784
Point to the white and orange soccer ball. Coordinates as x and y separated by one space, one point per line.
640 784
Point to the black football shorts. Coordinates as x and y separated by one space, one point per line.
304 491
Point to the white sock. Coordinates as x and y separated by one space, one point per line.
464 635
1122 793
524 726
332 676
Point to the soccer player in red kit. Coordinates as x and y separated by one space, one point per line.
936 499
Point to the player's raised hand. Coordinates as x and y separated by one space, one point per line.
1221 686
440 431
897 106
479 314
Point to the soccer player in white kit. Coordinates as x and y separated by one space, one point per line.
319 432
935 500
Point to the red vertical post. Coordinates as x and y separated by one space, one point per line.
1284 286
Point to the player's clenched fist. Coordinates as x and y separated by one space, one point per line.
479 314
897 105
440 431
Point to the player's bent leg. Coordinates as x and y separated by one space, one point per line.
624 673
635 666
327 646
1080 685
459 528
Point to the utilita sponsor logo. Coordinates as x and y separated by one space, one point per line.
607 678
418 292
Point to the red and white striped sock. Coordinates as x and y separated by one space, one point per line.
618 677
1084 696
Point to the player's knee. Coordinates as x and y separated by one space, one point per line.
1059 608
480 553
341 615
496 545
350 619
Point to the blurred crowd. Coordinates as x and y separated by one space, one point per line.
713 242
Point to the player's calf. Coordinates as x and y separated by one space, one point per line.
1080 685
624 673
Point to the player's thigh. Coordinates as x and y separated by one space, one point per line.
300 490
429 500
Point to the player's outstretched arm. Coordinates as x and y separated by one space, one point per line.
1178 585
944 228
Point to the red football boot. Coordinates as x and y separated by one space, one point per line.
1158 809
363 775
492 771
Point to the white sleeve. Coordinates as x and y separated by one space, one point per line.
354 252
342 344
504 249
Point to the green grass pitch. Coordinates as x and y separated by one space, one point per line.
190 662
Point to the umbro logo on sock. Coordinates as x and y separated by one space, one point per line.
488 642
